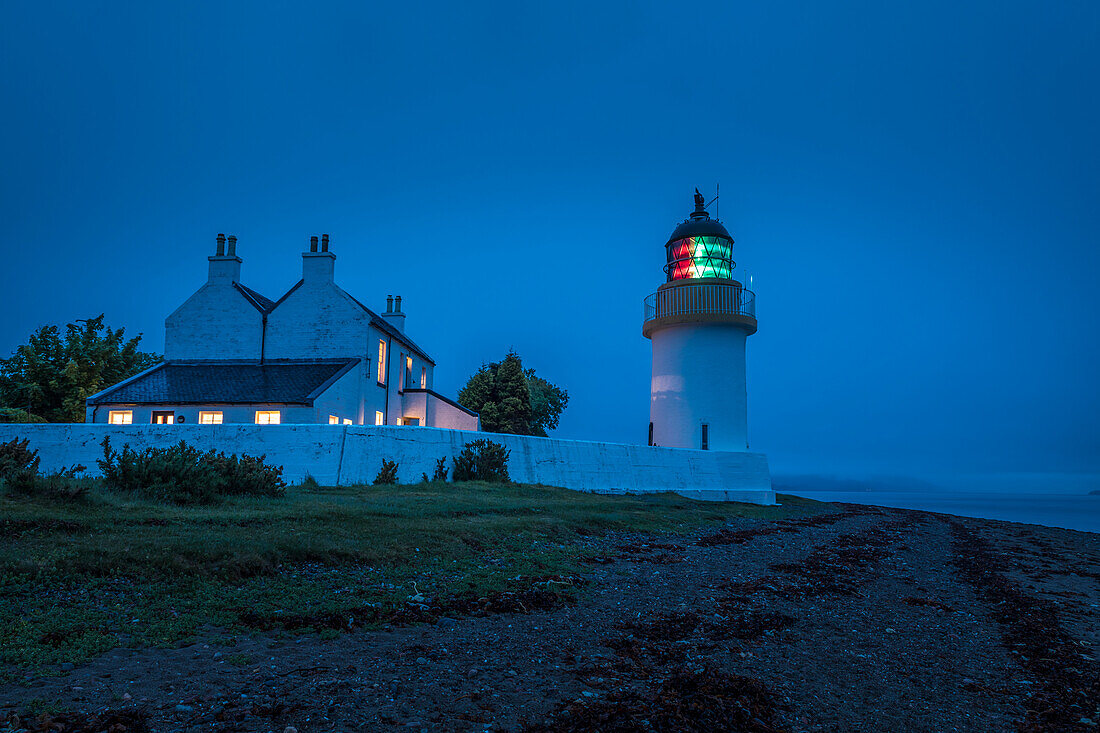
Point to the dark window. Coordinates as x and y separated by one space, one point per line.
166 417
651 433
706 437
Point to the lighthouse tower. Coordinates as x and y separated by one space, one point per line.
698 321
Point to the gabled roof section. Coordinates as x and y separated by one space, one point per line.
261 303
386 327
375 320
282 381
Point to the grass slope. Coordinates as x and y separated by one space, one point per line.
77 579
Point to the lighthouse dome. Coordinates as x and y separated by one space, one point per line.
700 228
700 247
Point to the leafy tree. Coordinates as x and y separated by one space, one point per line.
51 375
511 399
15 415
547 402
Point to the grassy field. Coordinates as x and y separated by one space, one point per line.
77 579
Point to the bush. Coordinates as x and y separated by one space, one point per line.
387 474
246 475
482 460
59 486
17 457
183 474
441 470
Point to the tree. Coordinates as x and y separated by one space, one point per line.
511 399
547 402
52 375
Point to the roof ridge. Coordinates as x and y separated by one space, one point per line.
260 301
383 325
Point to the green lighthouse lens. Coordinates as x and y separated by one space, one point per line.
699 257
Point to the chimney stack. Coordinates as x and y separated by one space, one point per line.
317 267
225 267
393 314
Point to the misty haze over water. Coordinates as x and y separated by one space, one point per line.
1050 499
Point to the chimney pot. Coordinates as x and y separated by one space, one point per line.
313 243
393 314
324 243
225 267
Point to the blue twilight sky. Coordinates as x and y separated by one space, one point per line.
915 188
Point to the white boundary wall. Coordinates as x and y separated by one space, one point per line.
352 454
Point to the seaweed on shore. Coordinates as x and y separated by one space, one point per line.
1069 688
132 720
688 701
741 536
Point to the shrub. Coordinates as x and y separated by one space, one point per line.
387 474
182 474
17 457
246 475
310 483
441 470
58 486
482 460
176 474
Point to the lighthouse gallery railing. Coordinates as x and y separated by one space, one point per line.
681 300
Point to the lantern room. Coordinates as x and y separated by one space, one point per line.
700 247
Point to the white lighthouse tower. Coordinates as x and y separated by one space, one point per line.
698 322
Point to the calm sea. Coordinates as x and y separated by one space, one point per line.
1069 511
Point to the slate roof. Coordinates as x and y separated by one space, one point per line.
287 382
386 327
261 302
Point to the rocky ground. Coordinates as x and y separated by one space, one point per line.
863 620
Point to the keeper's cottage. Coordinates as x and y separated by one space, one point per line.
315 355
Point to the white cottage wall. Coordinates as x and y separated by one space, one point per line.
345 398
217 322
318 320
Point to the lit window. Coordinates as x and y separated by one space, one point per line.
347 421
423 377
164 417
379 418
381 361
408 372
333 420
210 418
268 417
121 417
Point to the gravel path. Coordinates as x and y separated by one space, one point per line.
866 620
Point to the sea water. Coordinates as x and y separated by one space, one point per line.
1068 511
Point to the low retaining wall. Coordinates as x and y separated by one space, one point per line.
352 454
